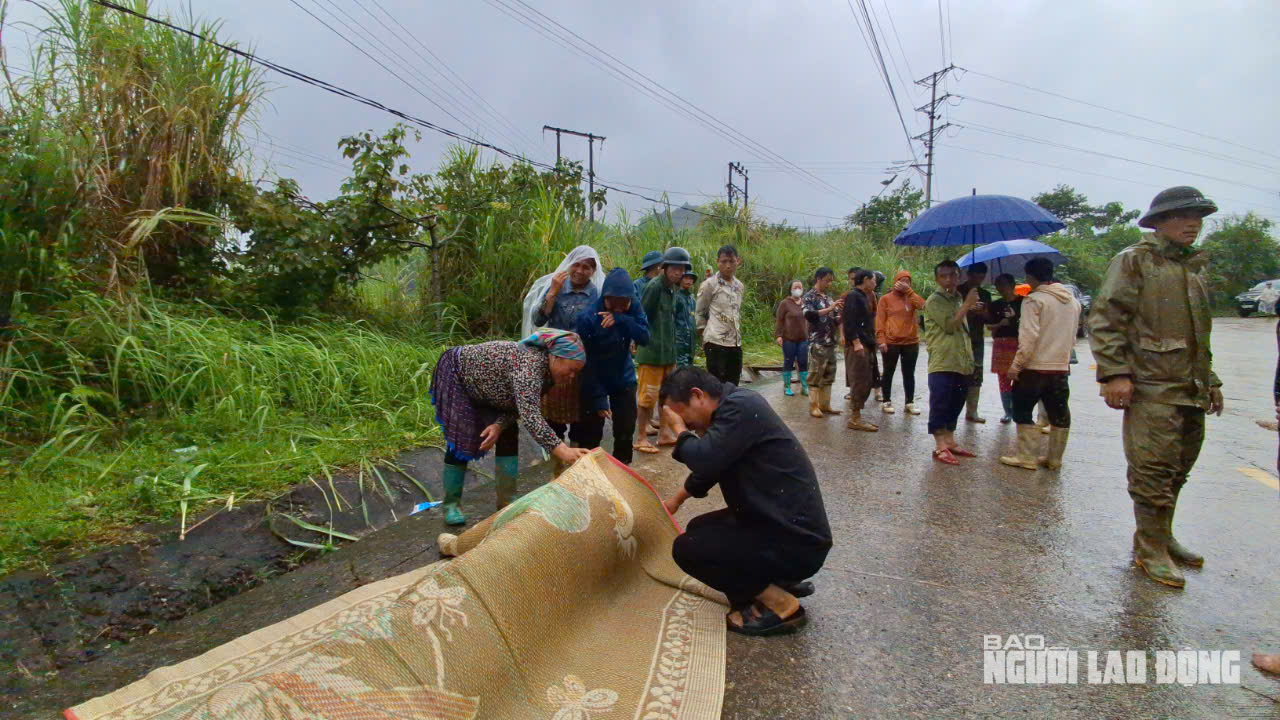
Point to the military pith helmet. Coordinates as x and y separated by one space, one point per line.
677 256
651 258
1182 197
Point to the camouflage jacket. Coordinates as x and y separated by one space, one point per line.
1151 321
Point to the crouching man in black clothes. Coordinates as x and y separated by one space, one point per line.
774 533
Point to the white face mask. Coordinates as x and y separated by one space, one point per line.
797 292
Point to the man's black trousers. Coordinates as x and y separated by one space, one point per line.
724 362
741 561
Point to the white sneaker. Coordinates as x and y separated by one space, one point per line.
886 408
911 409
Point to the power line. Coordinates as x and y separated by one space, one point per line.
381 64
464 104
462 85
1095 174
1099 128
543 24
367 35
364 100
896 36
1050 143
896 71
951 41
873 48
1120 112
942 36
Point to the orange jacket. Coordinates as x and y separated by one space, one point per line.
897 315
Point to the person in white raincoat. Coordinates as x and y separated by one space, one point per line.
554 301
1268 297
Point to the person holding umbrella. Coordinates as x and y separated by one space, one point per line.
1003 316
976 274
946 333
1150 330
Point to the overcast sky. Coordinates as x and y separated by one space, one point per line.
797 78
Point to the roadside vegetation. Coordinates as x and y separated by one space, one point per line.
175 337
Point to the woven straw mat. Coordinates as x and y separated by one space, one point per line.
566 605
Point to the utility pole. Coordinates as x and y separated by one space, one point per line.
591 161
931 110
732 189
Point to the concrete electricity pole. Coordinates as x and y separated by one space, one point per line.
746 196
931 110
591 161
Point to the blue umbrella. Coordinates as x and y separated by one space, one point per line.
1010 256
979 219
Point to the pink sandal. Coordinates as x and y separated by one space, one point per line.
962 452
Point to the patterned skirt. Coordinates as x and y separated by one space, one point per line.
1002 351
461 418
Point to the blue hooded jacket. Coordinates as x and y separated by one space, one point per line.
610 368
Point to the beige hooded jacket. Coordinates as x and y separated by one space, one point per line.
1047 330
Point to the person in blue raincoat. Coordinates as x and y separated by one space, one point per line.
608 328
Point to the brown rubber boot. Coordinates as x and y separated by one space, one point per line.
826 402
815 402
1151 547
857 423
1179 552
971 405
1052 459
1025 456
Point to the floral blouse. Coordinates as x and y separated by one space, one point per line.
513 378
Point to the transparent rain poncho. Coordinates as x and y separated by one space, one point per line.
538 293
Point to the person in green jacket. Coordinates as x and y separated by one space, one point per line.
1149 329
686 323
657 360
946 334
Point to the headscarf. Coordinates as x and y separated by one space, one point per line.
538 293
558 343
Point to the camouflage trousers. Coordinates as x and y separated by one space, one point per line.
822 365
1161 444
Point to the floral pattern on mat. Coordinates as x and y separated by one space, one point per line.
575 702
570 609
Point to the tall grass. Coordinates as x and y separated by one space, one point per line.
485 276
107 407
119 116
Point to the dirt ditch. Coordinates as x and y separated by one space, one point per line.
79 609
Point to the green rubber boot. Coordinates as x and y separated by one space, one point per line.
1151 547
454 475
804 382
1179 552
506 469
786 383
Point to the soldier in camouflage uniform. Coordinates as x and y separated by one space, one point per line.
1150 336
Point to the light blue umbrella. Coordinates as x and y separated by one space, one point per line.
1010 256
979 219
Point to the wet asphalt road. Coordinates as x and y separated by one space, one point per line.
930 558
927 560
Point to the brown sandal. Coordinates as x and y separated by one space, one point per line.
645 448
